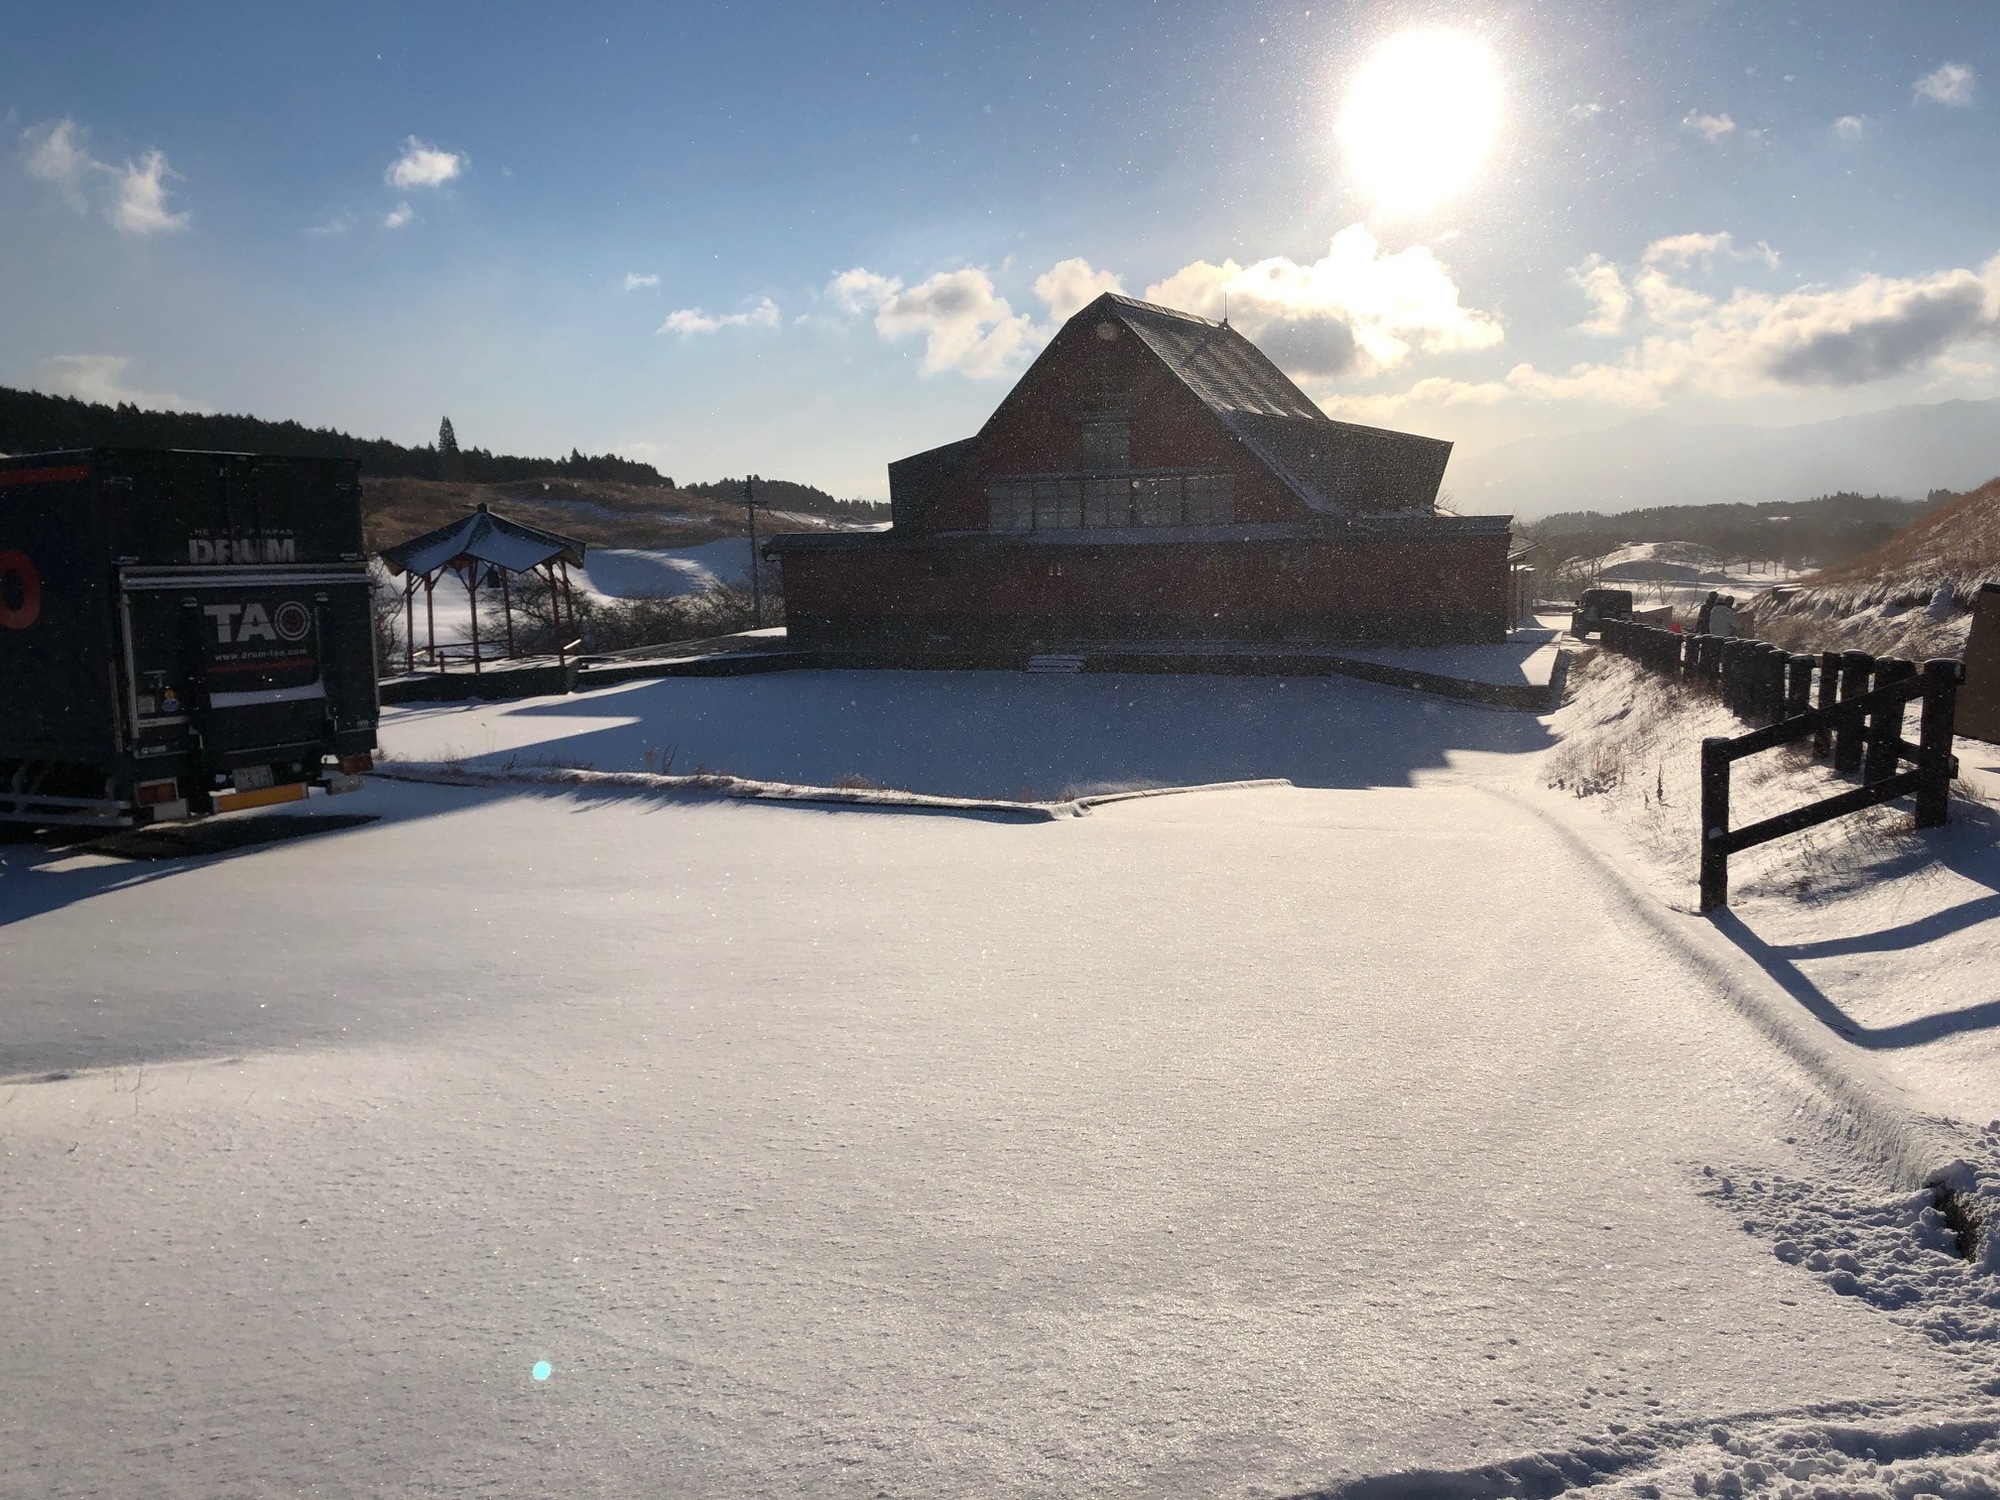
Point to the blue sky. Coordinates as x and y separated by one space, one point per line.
807 239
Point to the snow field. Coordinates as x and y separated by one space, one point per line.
1260 1141
978 734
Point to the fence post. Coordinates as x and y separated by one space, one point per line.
1885 725
1941 679
1856 668
1829 694
1726 673
1798 685
1770 683
1714 822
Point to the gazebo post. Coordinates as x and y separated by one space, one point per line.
409 623
431 616
555 615
569 594
507 608
471 576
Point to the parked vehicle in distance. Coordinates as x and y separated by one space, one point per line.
1594 606
180 633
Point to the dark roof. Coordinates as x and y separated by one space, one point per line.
1223 368
483 537
1333 467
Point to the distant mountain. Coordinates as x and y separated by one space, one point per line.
1906 450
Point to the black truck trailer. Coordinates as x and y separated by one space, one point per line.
180 633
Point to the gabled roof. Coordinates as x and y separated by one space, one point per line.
1331 466
483 537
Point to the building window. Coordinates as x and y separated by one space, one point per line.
1107 417
1065 502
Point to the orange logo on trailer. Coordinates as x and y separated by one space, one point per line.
20 591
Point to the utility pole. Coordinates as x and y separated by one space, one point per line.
756 583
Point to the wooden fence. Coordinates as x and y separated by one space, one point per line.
1849 704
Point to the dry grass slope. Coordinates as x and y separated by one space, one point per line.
1631 742
1909 597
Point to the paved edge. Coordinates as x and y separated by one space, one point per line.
506 683
743 789
1917 1148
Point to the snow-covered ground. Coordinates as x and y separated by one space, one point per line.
976 734
1252 1142
631 573
1890 939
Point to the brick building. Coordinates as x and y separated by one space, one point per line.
1153 477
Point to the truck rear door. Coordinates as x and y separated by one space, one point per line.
248 667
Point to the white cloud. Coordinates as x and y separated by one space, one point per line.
633 281
965 324
55 153
1954 83
1850 127
99 377
1601 282
398 217
339 223
1353 309
423 166
692 320
1750 342
133 196
1710 128
1069 286
139 200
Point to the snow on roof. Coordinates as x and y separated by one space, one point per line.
483 537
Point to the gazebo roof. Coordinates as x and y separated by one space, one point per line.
483 537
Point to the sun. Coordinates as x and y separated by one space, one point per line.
1419 120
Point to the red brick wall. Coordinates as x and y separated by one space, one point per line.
1390 589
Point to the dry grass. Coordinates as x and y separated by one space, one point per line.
1888 601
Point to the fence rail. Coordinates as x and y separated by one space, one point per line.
1850 705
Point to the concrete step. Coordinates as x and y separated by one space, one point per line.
1055 662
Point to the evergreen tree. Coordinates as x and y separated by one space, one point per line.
450 466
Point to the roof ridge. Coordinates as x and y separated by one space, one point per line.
1155 307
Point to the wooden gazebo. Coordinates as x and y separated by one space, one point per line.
478 549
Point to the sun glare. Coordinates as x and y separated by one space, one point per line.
1419 119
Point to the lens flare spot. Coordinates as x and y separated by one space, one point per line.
1419 119
542 1370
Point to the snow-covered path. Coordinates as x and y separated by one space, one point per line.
1236 1142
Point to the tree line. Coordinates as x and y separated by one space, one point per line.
31 422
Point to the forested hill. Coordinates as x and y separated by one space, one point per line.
1820 532
34 423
